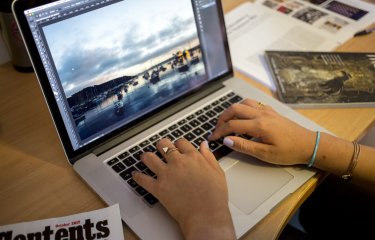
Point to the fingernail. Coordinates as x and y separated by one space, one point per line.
228 142
209 136
205 144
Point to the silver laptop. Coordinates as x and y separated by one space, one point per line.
119 75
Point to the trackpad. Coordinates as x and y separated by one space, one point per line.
251 182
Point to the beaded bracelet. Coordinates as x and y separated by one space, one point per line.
349 173
312 160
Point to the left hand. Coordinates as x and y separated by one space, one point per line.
192 187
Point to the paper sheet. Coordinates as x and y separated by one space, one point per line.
290 25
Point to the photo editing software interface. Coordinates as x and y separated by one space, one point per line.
109 62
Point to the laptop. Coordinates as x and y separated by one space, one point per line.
118 75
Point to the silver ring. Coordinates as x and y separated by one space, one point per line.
168 150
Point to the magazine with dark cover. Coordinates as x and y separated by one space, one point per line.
323 79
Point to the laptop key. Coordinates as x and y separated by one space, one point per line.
190 117
207 108
211 114
198 131
218 109
137 155
150 199
123 155
223 99
230 94
198 141
202 118
222 151
164 132
213 121
207 126
141 166
170 137
235 99
182 122
132 183
149 172
112 161
144 143
189 136
129 161
186 128
149 148
154 138
177 133
213 145
194 123
118 167
205 136
173 127
141 191
226 104
127 174
134 149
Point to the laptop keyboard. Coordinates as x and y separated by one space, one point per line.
195 128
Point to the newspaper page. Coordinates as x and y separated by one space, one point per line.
102 224
291 25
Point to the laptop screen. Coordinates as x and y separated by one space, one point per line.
110 62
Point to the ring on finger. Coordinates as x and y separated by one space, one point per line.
168 150
260 105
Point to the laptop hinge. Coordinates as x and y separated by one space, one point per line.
163 114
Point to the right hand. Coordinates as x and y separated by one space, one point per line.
282 141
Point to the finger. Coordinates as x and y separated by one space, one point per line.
256 104
184 146
237 110
153 162
252 148
231 127
145 181
206 152
163 145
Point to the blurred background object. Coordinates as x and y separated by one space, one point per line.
12 39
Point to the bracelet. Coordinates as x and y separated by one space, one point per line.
312 160
349 173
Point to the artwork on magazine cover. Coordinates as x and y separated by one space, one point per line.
324 78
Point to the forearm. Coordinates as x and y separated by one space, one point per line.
334 155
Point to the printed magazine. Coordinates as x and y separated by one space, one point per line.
102 224
323 79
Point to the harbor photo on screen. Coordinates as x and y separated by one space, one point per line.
114 73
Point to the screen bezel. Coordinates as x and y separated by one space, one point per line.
18 8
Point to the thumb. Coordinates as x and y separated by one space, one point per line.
206 152
248 147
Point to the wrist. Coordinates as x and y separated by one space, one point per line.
306 147
334 154
213 225
315 150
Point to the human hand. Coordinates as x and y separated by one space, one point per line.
282 141
192 187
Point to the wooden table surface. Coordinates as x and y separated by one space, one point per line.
36 181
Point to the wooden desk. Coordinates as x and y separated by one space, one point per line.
36 181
